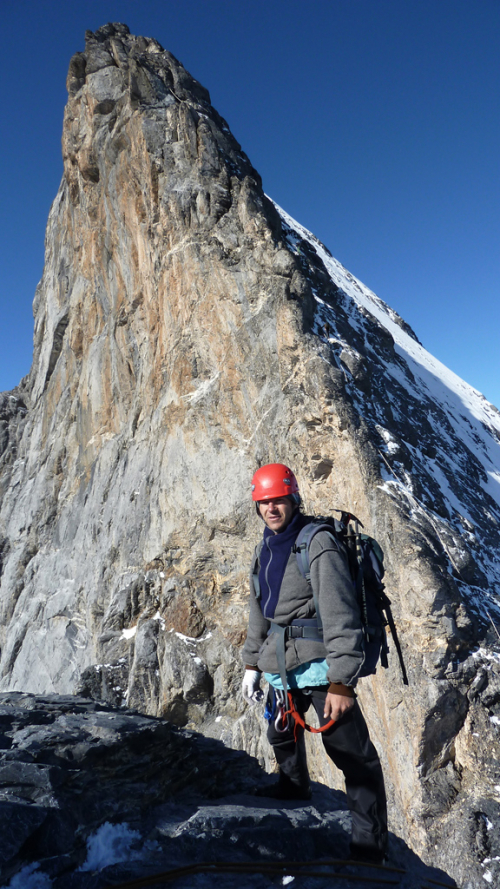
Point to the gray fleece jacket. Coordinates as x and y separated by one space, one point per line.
342 640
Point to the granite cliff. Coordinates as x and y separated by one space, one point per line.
186 331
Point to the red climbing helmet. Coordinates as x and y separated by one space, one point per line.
273 480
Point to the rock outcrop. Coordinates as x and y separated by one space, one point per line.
186 331
93 796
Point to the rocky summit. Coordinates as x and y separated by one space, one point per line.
187 330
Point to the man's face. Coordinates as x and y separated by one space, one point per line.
276 513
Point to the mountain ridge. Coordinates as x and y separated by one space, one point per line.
186 331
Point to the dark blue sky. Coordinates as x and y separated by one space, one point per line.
375 123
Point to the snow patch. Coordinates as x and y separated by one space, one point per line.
466 426
202 390
30 878
486 655
189 640
112 844
129 634
160 619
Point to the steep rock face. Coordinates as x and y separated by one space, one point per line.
186 331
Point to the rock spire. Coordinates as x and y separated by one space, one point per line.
186 331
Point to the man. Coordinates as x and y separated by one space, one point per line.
320 670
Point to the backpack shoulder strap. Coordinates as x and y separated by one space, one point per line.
304 540
255 569
301 549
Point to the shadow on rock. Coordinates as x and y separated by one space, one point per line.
127 796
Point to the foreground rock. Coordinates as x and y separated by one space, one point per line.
185 332
82 783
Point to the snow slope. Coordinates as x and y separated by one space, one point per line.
455 453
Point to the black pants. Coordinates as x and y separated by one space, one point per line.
348 745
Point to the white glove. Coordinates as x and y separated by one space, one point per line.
250 687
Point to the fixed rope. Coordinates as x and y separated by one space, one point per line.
282 869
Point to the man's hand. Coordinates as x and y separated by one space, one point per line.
250 687
337 705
